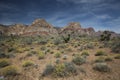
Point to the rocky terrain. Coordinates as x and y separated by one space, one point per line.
42 27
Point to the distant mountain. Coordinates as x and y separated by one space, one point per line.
43 28
75 28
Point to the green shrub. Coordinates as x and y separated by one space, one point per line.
78 60
9 70
41 55
48 70
58 55
4 62
57 61
27 63
116 47
108 59
90 46
102 67
85 53
33 52
117 56
70 68
100 53
100 59
59 70
58 41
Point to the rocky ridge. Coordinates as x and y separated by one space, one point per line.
43 28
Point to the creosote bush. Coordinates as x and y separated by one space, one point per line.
4 62
9 71
100 53
27 63
79 60
116 47
48 70
41 55
102 67
117 56
108 59
100 59
85 53
60 70
58 55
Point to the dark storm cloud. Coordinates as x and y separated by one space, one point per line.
100 14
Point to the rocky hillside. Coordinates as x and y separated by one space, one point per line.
43 28
75 28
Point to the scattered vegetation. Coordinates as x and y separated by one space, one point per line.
100 53
79 60
58 55
27 63
9 71
4 63
117 57
41 55
85 53
102 67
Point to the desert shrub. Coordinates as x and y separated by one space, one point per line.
58 55
116 47
90 46
66 38
4 62
27 63
70 68
78 60
102 67
11 49
100 59
20 50
57 61
57 41
62 46
9 70
85 53
33 52
42 42
41 55
117 56
10 55
65 57
29 54
105 36
43 48
108 59
59 70
100 53
48 70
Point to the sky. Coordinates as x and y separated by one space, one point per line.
99 14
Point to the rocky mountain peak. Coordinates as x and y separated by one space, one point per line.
41 23
74 25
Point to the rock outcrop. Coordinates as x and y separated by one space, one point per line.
75 28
